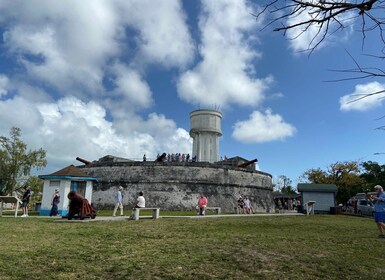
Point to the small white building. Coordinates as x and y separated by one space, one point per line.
324 196
67 179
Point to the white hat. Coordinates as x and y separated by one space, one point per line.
378 187
120 188
56 190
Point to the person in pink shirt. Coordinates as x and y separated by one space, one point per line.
202 204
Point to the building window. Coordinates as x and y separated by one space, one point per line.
54 184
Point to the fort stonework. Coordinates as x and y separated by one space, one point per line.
177 185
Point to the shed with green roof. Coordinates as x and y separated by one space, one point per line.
323 194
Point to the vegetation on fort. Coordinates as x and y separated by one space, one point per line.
302 247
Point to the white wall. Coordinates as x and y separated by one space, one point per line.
323 200
64 187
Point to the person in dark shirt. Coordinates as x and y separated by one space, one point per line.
55 200
26 197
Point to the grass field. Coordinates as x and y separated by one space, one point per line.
301 247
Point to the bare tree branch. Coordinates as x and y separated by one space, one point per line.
324 15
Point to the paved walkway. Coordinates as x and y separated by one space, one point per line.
127 218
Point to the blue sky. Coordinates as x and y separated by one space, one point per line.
91 78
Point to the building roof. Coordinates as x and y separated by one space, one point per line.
68 172
317 188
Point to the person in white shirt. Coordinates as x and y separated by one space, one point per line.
140 201
118 201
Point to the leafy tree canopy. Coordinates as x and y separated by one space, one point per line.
16 161
346 175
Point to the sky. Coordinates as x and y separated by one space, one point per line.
120 77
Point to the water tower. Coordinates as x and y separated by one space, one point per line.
205 129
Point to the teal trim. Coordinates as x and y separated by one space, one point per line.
68 178
45 212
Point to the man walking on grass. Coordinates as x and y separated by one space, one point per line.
118 201
379 209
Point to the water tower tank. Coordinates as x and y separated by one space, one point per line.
205 129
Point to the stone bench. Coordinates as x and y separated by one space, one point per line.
136 211
217 209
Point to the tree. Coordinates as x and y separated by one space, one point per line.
373 174
16 161
346 175
321 19
282 183
36 185
325 16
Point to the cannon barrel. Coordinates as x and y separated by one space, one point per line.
161 158
243 165
83 160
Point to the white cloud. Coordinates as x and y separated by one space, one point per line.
262 127
4 84
63 43
226 73
133 91
163 36
72 45
69 128
359 101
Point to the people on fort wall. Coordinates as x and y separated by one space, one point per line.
118 201
177 157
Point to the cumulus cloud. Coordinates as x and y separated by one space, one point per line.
225 74
70 127
133 90
163 33
71 45
4 84
262 127
70 52
364 97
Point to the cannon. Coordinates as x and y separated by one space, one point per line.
243 165
79 207
86 162
161 158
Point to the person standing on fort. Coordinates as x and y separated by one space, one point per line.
379 209
118 201
202 204
55 200
26 197
140 201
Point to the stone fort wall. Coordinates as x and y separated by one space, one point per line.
176 186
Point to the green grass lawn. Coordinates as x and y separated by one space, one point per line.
301 247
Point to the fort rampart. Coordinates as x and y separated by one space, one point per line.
177 185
